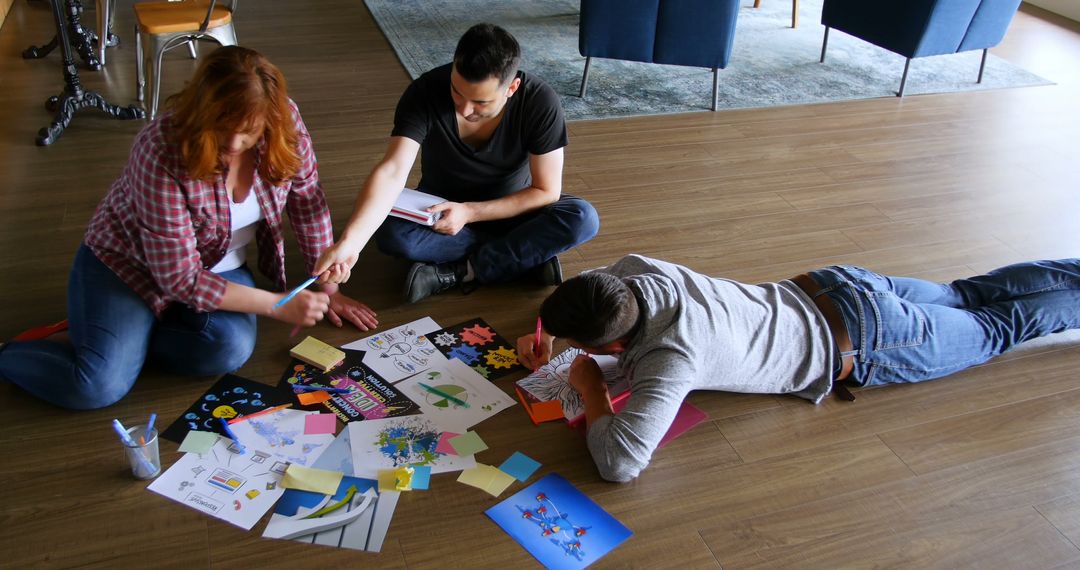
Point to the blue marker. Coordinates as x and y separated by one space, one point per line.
295 292
150 423
310 388
231 435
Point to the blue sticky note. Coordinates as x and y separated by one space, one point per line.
520 466
421 477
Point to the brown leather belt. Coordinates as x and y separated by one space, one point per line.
833 319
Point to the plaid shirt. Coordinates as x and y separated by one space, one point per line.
161 231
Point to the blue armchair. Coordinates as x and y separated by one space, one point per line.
920 28
696 33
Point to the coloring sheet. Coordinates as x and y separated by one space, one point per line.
370 397
235 487
395 442
552 381
456 379
360 523
400 352
282 434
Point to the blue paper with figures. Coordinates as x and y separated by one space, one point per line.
559 525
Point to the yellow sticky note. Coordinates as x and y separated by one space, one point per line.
403 478
387 480
500 480
317 353
477 476
309 479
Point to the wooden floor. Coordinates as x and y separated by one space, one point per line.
979 470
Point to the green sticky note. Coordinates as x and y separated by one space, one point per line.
467 443
198 441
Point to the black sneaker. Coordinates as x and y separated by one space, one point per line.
427 279
549 272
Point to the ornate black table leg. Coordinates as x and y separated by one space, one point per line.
74 97
82 38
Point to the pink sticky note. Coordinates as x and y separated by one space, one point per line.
315 424
444 443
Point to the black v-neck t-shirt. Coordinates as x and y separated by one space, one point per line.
532 123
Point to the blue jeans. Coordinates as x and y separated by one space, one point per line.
910 330
499 250
113 332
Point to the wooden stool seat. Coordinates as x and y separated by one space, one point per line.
172 17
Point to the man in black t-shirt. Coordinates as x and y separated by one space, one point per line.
492 138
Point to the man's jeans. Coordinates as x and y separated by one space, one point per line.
113 332
499 250
910 330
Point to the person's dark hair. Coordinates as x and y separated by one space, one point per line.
592 309
486 50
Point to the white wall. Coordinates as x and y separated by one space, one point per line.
1068 8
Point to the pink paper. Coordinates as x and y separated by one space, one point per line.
688 417
444 443
315 424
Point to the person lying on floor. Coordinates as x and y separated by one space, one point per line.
492 138
161 275
674 330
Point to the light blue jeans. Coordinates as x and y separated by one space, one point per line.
910 330
113 332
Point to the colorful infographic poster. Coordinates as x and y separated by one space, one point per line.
399 352
455 397
369 398
229 397
475 343
559 525
396 442
236 487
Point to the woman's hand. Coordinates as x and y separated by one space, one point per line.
305 309
357 313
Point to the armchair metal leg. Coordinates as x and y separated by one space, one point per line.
715 87
193 49
794 13
824 44
903 79
585 77
982 66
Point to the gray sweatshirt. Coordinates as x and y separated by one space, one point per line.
704 333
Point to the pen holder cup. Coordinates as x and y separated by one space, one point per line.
143 455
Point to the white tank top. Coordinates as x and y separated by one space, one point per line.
244 217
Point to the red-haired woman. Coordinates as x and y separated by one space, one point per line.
161 274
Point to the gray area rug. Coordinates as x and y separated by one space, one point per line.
771 65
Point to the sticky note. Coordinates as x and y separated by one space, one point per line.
467 443
421 477
444 443
198 441
315 424
486 478
308 398
310 479
317 353
387 480
519 466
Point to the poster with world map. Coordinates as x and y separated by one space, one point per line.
395 442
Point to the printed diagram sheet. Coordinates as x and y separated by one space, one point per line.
235 487
400 352
472 398
282 434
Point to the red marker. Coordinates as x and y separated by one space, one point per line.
536 347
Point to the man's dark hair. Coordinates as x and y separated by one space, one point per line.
592 309
486 50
